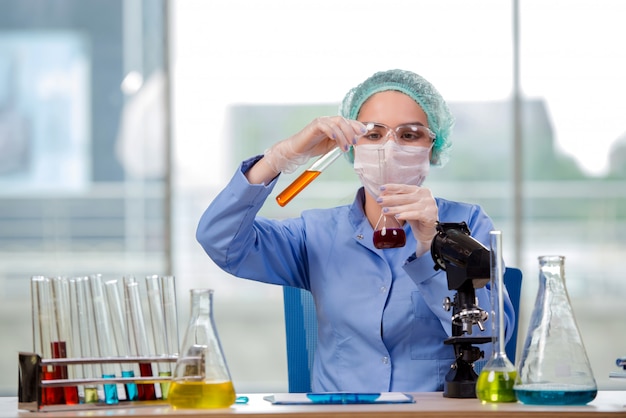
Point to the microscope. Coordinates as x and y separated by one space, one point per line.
467 266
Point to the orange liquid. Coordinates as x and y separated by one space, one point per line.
51 396
297 186
201 395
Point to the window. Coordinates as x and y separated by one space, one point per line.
82 174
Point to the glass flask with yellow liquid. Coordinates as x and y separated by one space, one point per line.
201 379
554 369
496 379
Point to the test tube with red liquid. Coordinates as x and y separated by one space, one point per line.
157 319
62 343
139 343
41 301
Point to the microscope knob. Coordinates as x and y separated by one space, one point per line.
447 304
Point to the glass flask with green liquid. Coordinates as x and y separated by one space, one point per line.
201 378
496 379
554 368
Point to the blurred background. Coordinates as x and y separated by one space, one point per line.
120 120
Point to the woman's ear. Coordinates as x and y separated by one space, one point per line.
434 160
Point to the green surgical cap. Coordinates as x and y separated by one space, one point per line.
440 120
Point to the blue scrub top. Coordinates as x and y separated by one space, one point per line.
381 322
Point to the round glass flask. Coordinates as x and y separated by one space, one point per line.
554 368
201 378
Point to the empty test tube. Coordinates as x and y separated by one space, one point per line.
170 312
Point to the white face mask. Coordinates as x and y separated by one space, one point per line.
390 163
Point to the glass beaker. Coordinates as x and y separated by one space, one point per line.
496 379
554 369
388 233
201 378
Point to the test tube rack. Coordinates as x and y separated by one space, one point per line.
31 383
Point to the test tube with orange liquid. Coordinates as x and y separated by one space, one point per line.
308 176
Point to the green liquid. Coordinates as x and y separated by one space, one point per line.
496 386
165 386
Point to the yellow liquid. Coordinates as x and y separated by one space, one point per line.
91 395
201 395
496 386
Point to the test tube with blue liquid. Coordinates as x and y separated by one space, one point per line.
120 332
104 335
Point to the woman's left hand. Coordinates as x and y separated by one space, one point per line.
417 206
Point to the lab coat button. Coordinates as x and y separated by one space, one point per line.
360 236
383 289
385 360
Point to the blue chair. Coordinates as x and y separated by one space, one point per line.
513 283
301 330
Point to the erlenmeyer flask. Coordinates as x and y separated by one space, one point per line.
554 369
201 378
496 379
388 232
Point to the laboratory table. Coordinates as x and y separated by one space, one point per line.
433 404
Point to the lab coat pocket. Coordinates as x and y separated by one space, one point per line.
427 334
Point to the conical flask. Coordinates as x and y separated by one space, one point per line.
496 379
201 378
554 369
388 233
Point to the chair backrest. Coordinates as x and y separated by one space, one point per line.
301 330
513 284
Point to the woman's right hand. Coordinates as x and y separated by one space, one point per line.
317 138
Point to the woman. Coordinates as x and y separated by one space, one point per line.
380 316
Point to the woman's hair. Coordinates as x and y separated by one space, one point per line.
440 120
